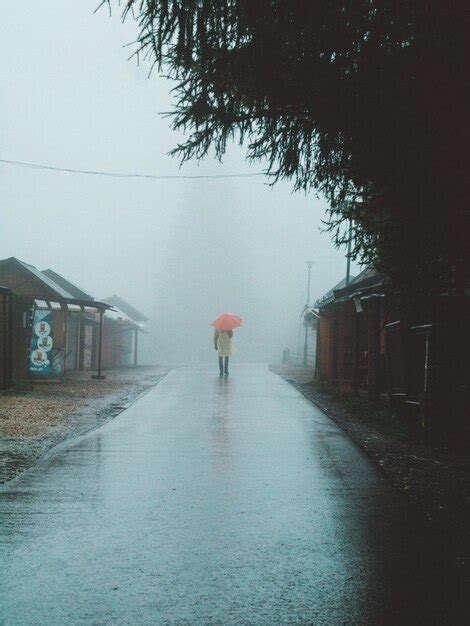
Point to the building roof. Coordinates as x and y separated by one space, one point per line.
309 312
330 295
116 315
72 288
125 307
50 285
43 287
310 317
369 280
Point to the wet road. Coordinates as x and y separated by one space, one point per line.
214 501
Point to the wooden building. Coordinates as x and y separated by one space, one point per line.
416 358
15 318
351 341
123 324
120 340
82 326
130 311
53 310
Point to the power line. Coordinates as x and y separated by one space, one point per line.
41 166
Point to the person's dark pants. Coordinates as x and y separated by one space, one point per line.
223 364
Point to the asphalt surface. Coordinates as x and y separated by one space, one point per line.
216 501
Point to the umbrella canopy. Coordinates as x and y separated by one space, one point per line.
227 321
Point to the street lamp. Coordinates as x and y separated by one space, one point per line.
309 266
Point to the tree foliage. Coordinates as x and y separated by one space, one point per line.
362 100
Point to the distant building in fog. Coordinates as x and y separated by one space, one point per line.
121 337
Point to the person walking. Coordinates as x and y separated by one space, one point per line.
223 345
223 334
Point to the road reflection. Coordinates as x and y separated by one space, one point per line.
222 425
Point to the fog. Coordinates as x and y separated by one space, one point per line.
181 251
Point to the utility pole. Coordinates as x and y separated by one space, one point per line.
309 266
299 338
348 256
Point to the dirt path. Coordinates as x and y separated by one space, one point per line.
32 422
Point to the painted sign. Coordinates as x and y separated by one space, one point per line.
44 360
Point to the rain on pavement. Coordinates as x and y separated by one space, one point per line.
213 500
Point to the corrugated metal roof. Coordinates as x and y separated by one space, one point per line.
367 280
119 316
72 288
330 295
46 280
119 303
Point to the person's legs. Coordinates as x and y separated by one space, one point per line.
226 365
221 365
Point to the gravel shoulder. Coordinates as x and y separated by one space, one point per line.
435 480
33 421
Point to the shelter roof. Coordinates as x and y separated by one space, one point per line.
74 307
116 315
119 303
67 285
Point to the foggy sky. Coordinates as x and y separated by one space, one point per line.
181 251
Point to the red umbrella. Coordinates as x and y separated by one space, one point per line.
227 321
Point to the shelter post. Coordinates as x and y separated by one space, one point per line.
99 375
136 335
66 336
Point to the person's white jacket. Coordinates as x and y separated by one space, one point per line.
223 342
